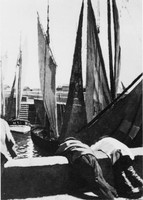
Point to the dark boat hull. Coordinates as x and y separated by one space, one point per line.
40 139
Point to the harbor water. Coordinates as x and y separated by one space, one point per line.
25 148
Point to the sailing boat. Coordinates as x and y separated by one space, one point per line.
128 124
122 119
46 137
97 89
16 124
77 112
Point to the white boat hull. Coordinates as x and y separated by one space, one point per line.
23 129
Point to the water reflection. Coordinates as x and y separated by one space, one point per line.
25 147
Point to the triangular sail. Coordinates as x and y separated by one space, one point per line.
75 114
123 121
97 89
47 69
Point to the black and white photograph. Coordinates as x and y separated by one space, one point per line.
71 78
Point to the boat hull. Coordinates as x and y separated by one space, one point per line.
22 129
40 139
19 126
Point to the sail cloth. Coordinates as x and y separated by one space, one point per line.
47 68
40 111
75 114
97 89
41 114
123 121
19 93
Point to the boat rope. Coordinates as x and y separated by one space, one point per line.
109 106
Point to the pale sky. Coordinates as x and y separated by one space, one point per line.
19 17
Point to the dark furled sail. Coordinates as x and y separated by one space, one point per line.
75 113
117 47
114 64
41 115
97 89
40 111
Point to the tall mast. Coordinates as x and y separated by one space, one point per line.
19 71
47 43
47 35
98 16
2 91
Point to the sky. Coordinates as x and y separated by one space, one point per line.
18 24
